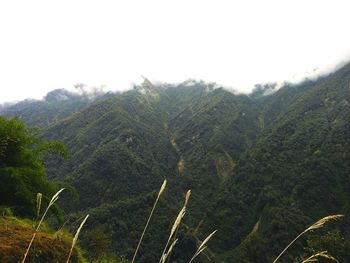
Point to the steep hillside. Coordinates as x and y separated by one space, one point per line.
121 148
261 167
110 149
298 169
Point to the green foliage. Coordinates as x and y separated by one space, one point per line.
22 174
297 170
97 242
335 242
280 159
251 250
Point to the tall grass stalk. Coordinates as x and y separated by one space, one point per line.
176 224
203 246
167 254
319 224
162 188
52 201
60 229
187 197
75 239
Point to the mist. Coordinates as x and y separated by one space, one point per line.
47 46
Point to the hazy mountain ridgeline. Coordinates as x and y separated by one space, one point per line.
56 105
260 168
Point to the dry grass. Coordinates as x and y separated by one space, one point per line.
322 254
203 246
319 224
52 201
75 239
162 188
172 236
14 236
176 225
167 254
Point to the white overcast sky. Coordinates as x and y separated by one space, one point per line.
47 44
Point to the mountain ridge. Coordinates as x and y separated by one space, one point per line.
278 162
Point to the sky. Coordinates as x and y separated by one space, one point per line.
45 45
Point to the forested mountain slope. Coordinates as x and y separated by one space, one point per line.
272 163
298 169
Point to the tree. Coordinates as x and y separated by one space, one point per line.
22 174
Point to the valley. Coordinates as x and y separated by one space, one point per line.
261 167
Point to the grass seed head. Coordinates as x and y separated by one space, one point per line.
162 188
178 220
322 254
75 239
188 194
205 241
320 223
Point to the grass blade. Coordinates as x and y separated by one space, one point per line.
162 188
75 239
203 246
52 201
176 224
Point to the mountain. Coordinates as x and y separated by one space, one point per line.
298 168
261 167
55 106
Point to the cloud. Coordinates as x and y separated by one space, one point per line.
48 45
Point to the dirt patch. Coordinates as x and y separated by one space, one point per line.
14 240
224 165
181 166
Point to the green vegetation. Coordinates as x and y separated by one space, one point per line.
22 173
260 168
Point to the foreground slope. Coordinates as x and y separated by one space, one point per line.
15 235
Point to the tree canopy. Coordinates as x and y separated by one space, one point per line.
22 173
